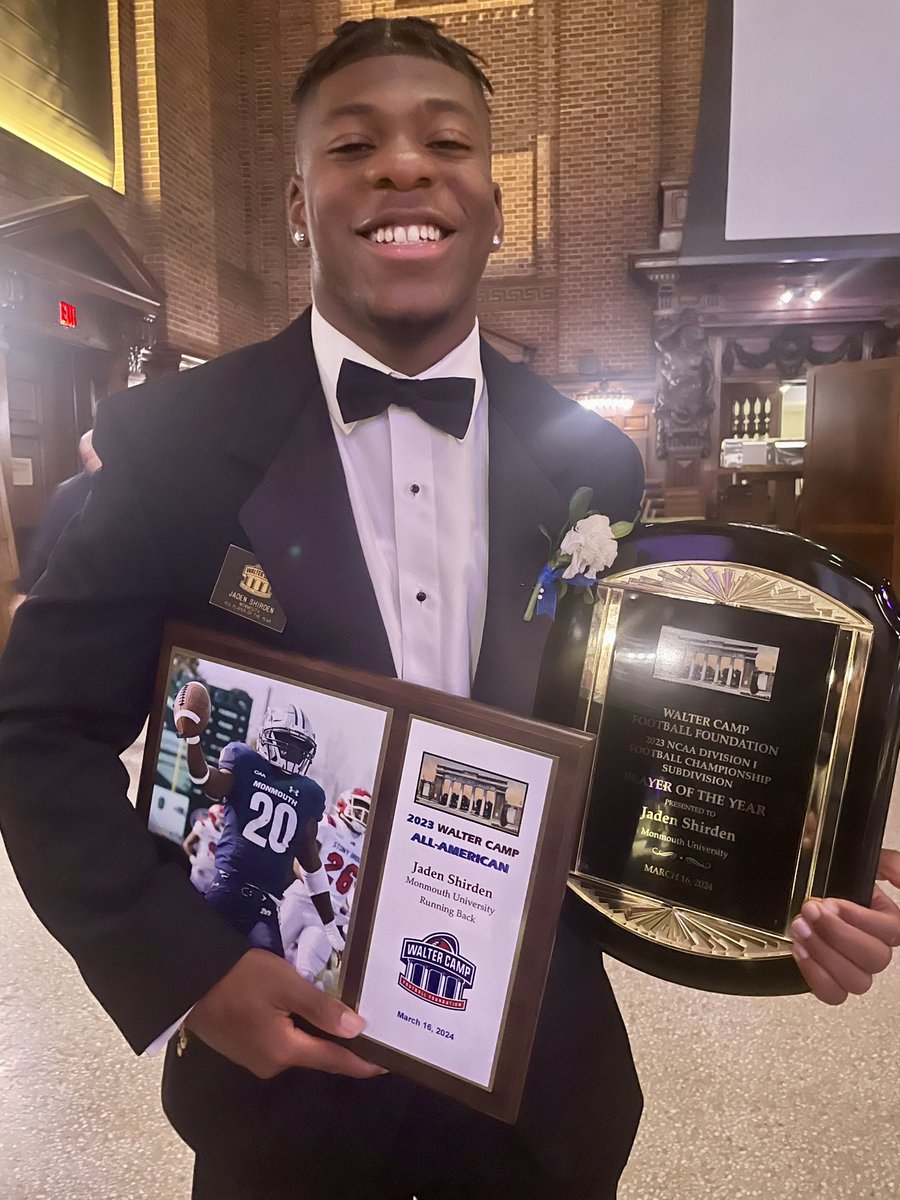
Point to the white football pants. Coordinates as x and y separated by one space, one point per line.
301 924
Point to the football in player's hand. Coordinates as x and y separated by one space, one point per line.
192 710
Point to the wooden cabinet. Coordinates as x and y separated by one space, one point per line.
636 424
851 490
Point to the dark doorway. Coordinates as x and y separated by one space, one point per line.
51 391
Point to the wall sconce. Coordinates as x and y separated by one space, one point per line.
606 400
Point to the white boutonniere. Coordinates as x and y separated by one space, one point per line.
586 545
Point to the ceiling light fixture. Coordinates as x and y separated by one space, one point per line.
813 295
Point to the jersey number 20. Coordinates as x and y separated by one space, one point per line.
280 820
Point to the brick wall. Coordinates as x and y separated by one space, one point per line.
28 175
608 173
684 23
235 209
305 24
203 157
596 102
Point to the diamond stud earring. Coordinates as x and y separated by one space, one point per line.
495 240
299 236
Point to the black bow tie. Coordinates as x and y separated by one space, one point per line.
444 403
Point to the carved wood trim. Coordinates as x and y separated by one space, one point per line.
790 351
684 401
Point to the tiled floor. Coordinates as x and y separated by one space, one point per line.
782 1099
79 1114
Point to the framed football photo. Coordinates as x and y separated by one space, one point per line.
401 848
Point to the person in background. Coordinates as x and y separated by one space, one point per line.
67 500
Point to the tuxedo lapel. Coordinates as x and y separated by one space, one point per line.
520 498
299 520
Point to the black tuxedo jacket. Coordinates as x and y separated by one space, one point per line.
241 451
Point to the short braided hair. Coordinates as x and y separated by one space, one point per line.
356 40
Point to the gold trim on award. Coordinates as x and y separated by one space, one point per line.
723 664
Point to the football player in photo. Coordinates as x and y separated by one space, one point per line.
200 846
272 810
341 839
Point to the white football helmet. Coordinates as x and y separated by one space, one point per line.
354 806
217 816
286 739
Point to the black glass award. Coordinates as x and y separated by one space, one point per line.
744 687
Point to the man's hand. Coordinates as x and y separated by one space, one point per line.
839 946
247 1015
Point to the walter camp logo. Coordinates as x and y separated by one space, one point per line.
254 581
435 971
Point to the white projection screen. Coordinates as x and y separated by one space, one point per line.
814 148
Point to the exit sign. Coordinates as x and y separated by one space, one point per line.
68 315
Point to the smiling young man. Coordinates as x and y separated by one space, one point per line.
395 198
389 471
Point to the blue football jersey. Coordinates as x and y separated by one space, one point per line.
266 813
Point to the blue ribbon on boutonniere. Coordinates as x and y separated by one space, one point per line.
584 546
548 592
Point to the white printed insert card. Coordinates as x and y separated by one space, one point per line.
454 889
